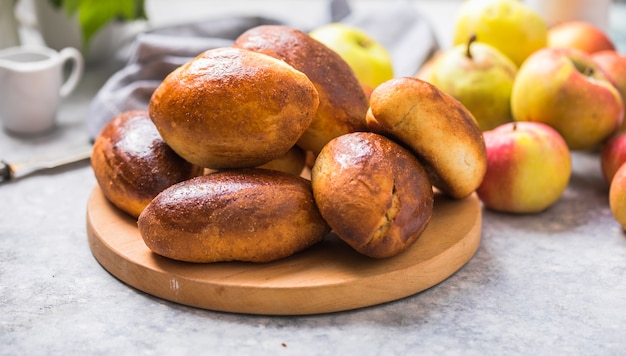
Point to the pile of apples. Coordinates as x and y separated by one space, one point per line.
538 93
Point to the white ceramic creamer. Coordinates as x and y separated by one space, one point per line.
32 83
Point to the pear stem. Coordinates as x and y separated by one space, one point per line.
472 39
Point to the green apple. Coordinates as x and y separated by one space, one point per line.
565 88
369 60
509 25
480 77
528 168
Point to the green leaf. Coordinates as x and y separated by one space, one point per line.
56 3
71 6
95 14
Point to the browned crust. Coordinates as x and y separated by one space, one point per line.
254 215
132 163
437 128
374 194
232 108
343 102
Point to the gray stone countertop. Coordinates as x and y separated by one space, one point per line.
550 283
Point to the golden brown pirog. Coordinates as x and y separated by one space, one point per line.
132 163
254 215
374 194
343 102
292 162
437 127
233 108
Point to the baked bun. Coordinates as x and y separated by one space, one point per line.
343 102
254 215
374 194
233 108
372 123
292 162
132 163
437 127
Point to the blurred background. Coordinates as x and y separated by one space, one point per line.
39 21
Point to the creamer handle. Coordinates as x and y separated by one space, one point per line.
78 66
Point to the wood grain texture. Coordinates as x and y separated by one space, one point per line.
328 277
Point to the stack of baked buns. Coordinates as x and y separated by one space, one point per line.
257 151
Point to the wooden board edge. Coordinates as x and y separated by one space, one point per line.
321 301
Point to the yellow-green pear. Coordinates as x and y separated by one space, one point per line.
481 78
511 26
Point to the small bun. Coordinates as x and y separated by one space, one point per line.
233 108
254 215
343 101
374 194
292 162
372 124
132 163
437 128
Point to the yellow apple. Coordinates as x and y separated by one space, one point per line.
617 196
528 168
481 78
369 60
565 88
509 25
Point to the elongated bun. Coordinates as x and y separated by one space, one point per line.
437 128
343 101
233 108
255 215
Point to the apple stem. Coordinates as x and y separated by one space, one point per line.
365 43
588 71
472 39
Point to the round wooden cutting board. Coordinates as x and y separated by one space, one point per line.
328 277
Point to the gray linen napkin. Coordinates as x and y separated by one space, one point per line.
155 53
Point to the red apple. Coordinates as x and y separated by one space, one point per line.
566 89
612 156
617 196
528 168
580 35
613 64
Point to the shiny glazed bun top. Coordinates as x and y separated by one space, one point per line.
374 194
233 108
132 163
